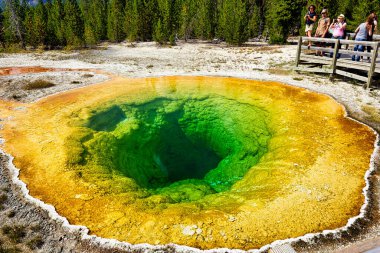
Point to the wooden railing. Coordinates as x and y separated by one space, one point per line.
334 63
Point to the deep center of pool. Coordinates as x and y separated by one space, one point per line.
166 142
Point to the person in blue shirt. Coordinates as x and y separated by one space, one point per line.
310 19
361 34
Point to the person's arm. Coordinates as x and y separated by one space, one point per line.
314 19
375 25
357 30
370 30
328 25
306 16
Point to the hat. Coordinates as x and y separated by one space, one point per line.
341 16
324 11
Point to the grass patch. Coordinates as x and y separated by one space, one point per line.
39 84
3 198
149 66
87 75
373 113
11 214
35 243
297 78
15 233
278 71
3 249
268 49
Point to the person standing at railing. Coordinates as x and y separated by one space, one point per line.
322 29
361 34
338 29
374 29
310 18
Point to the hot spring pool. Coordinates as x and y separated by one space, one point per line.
199 161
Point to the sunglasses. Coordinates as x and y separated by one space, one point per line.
323 12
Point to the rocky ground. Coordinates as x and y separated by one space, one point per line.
25 227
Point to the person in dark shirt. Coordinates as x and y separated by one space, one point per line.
310 18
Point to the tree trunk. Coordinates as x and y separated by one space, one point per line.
15 22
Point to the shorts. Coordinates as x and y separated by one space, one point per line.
309 27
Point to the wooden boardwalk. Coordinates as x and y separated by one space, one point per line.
337 59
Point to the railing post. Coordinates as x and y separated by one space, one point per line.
298 51
335 57
373 66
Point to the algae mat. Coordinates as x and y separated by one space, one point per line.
197 161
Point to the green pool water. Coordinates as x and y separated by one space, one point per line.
165 143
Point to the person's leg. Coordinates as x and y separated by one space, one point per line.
370 38
340 46
360 49
332 46
309 35
354 56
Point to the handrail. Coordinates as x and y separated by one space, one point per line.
335 51
375 36
341 51
342 42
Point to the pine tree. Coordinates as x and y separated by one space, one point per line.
361 12
233 22
256 16
203 27
167 24
282 15
89 24
116 21
132 18
188 19
55 23
148 17
2 39
159 35
39 24
98 14
73 24
51 39
28 24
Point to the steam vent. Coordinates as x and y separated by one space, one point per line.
198 161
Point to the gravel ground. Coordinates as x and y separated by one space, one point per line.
29 228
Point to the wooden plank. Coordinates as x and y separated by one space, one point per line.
354 42
298 51
350 65
375 36
356 63
351 52
373 66
345 63
342 42
320 60
314 39
323 49
351 75
335 55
